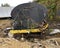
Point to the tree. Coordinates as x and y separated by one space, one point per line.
5 5
51 5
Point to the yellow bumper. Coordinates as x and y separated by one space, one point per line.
29 30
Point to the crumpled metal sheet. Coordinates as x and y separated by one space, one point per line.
35 12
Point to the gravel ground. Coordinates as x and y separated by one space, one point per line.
13 43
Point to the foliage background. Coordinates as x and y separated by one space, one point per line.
53 6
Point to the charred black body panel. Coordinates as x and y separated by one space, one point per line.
25 15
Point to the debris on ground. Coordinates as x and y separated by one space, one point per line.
13 43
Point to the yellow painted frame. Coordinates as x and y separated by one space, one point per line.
29 30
